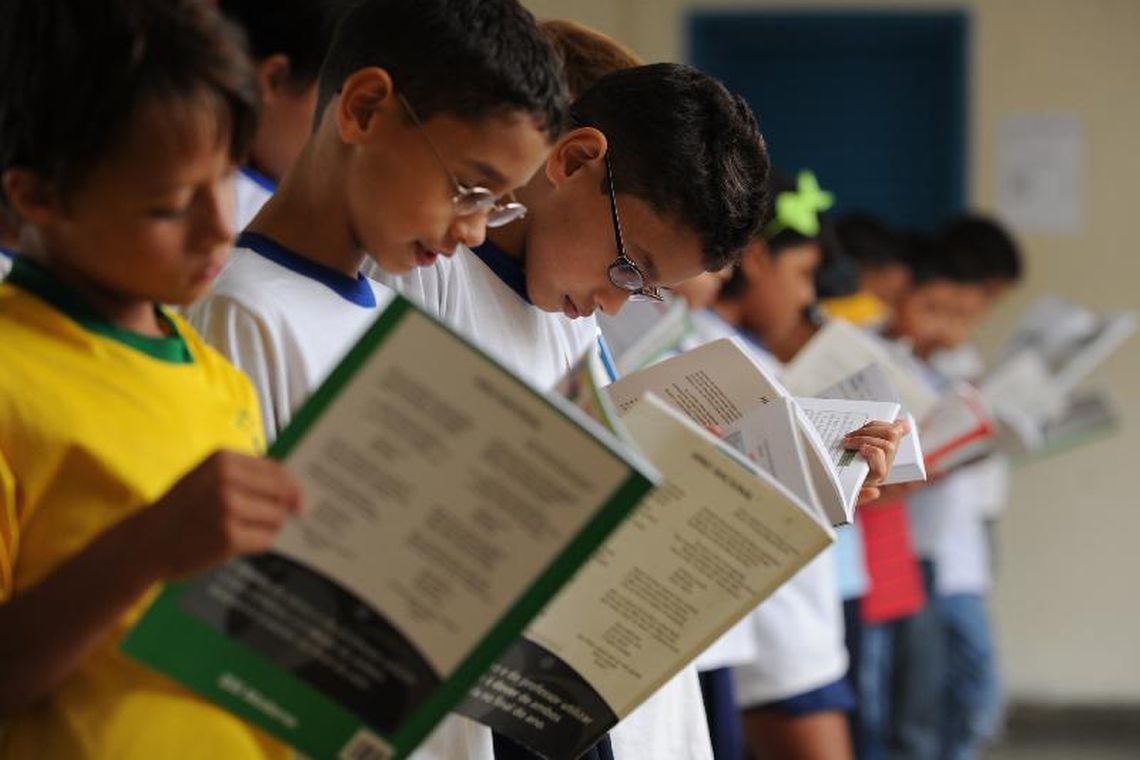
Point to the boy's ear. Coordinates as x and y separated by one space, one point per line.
754 260
575 150
30 196
363 97
273 76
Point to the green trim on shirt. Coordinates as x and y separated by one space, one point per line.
35 279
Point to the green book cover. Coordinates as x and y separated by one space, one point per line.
448 501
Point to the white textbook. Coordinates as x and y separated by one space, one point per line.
697 555
718 383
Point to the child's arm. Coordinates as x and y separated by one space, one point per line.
878 443
229 505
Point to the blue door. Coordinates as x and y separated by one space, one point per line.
874 102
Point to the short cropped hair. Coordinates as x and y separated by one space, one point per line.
870 241
685 145
301 30
75 73
985 249
587 55
466 58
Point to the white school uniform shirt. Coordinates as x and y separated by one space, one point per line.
797 633
252 189
287 323
284 321
6 258
482 295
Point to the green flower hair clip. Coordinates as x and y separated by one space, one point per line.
800 210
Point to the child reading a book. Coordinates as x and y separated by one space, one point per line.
127 446
288 41
412 156
634 197
882 276
794 695
952 517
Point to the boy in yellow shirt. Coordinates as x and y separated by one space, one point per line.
126 444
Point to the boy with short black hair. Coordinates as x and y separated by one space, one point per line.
412 155
663 176
287 41
121 122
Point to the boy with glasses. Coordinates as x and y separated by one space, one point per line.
663 176
410 158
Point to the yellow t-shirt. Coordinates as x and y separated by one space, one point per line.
92 429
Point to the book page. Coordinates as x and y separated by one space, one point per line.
959 420
699 554
871 384
713 384
834 420
447 502
841 350
644 331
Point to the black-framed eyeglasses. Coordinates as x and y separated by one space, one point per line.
470 200
624 272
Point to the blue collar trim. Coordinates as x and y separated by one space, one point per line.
356 290
8 253
265 182
508 270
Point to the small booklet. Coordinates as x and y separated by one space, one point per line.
871 384
717 383
448 503
644 331
701 552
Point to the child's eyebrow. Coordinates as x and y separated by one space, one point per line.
647 263
490 174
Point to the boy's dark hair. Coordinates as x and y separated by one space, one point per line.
468 58
301 30
688 147
587 55
930 260
869 241
983 247
75 73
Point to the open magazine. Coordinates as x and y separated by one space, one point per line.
723 532
448 503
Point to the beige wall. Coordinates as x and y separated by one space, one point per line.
1068 601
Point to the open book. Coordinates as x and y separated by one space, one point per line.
954 427
448 503
644 331
718 383
698 554
871 384
1070 339
1057 346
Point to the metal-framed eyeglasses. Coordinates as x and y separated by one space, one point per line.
470 200
624 272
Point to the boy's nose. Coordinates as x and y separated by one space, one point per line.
610 299
471 230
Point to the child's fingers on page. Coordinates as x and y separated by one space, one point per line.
255 509
877 460
868 494
266 479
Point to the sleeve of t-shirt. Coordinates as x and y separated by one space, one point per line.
9 527
245 338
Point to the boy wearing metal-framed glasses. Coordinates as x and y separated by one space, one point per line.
662 176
